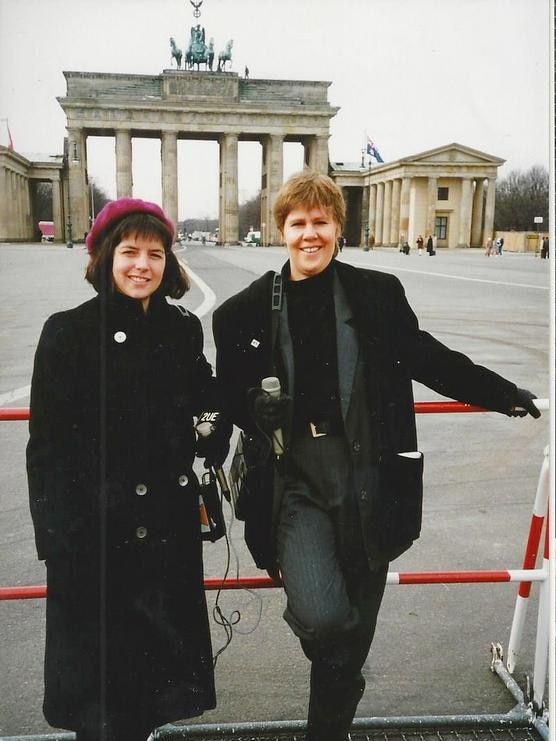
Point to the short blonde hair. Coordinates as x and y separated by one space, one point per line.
310 190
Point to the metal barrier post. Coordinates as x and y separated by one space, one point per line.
541 647
529 562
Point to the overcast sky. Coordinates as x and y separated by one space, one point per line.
412 74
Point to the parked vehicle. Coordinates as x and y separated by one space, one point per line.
252 238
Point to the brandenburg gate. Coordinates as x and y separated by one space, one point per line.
177 104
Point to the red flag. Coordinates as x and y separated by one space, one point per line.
10 140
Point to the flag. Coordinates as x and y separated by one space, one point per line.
10 140
373 151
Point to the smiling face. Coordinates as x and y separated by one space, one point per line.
310 236
138 267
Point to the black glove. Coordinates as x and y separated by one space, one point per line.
271 413
524 399
213 438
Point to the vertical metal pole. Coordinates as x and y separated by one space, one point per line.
543 631
529 562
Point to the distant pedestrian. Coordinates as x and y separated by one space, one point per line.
544 249
419 245
341 242
405 247
371 241
499 245
488 247
430 247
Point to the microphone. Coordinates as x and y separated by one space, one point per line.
271 385
205 427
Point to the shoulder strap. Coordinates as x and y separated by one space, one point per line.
276 308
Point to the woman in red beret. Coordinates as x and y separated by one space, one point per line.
114 500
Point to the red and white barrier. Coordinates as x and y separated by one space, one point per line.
529 562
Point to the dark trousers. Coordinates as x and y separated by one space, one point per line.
333 596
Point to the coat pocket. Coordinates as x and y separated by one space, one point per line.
401 494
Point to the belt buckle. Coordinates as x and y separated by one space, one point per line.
314 431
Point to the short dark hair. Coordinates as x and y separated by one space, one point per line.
175 281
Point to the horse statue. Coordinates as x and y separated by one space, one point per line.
176 53
225 56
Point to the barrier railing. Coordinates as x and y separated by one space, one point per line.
531 709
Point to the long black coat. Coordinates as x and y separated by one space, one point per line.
114 503
388 351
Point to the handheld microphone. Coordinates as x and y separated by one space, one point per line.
271 385
205 427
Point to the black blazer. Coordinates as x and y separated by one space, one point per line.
380 351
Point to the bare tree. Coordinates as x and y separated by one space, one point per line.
521 196
99 197
250 215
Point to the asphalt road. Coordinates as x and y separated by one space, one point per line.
431 650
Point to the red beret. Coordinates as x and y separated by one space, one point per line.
114 211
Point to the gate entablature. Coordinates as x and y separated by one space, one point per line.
195 105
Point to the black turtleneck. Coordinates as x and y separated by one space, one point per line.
312 324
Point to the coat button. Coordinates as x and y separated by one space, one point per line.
141 532
183 480
141 489
120 337
356 446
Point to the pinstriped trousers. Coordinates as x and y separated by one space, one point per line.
333 597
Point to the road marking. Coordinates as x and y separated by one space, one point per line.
14 395
209 296
449 275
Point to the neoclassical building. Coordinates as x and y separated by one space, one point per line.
18 178
447 192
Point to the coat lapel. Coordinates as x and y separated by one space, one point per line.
347 345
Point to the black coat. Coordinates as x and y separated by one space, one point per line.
114 503
380 421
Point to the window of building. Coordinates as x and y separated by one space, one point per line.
443 194
441 227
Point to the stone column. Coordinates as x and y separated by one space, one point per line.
395 220
372 211
228 201
316 154
271 179
432 196
57 212
17 205
30 222
364 216
124 178
477 219
489 209
379 212
464 237
78 212
4 204
404 207
169 155
387 213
